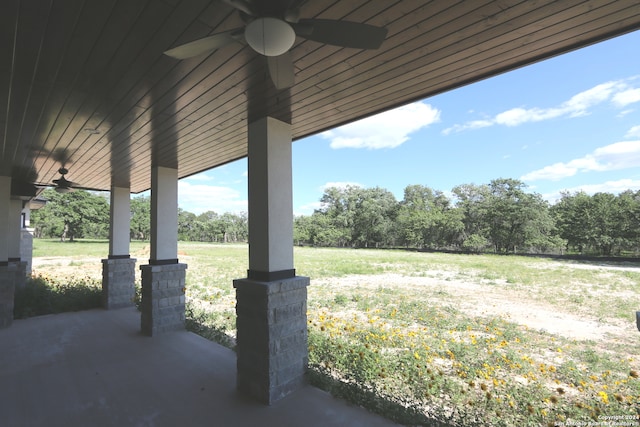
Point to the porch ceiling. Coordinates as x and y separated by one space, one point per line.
85 84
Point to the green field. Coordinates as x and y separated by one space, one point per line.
467 339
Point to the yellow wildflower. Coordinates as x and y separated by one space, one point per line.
604 397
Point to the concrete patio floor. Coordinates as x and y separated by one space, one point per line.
94 368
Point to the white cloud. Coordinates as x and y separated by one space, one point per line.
578 105
633 132
199 198
624 98
307 209
518 116
621 155
200 177
614 187
474 124
385 130
552 172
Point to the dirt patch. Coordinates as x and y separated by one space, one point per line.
478 299
472 296
68 266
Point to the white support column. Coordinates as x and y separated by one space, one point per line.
270 200
163 280
15 238
120 220
7 270
5 207
118 270
164 215
27 215
26 240
272 301
15 211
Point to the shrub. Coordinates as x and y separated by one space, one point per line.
46 295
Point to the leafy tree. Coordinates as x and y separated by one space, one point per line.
72 215
188 227
602 223
324 232
475 243
517 219
472 201
572 217
448 227
338 205
414 216
374 213
210 226
140 218
302 229
234 227
427 219
504 215
628 220
605 234
353 216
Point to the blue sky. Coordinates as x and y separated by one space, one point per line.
568 123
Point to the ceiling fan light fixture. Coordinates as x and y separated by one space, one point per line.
270 36
63 189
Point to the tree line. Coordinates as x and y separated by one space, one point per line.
499 217
83 214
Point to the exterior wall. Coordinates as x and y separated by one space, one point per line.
163 301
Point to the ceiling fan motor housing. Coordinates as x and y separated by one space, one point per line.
270 36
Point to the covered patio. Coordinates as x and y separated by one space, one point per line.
95 368
94 95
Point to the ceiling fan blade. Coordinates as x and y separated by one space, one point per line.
281 70
341 33
204 45
292 13
242 6
63 181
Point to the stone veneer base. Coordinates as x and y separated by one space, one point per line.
271 341
7 294
21 274
118 283
163 288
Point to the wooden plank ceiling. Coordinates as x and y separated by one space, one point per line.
84 83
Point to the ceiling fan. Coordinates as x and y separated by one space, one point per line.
62 185
271 29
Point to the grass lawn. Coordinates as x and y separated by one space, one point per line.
464 339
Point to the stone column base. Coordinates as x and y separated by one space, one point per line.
21 273
118 282
7 294
163 288
271 340
26 248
